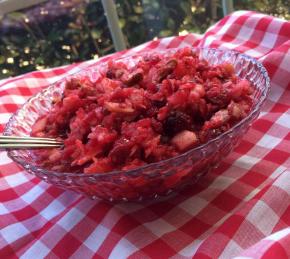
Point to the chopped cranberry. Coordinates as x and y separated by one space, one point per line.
176 122
132 116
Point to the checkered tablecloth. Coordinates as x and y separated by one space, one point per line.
240 210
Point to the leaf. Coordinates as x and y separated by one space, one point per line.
122 23
17 16
39 61
2 60
138 9
96 34
165 33
134 18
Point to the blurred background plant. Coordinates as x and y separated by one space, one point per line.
59 32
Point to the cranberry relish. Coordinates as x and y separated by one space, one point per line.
129 117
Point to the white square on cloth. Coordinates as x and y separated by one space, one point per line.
38 250
96 238
269 40
268 141
263 217
14 232
159 227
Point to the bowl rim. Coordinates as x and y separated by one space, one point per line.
38 169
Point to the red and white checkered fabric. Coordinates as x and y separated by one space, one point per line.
241 210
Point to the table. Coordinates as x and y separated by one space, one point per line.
240 210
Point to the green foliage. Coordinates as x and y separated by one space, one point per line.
151 18
279 8
81 33
76 36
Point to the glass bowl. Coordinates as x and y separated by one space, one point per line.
152 180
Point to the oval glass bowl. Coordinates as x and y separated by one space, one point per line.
152 180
